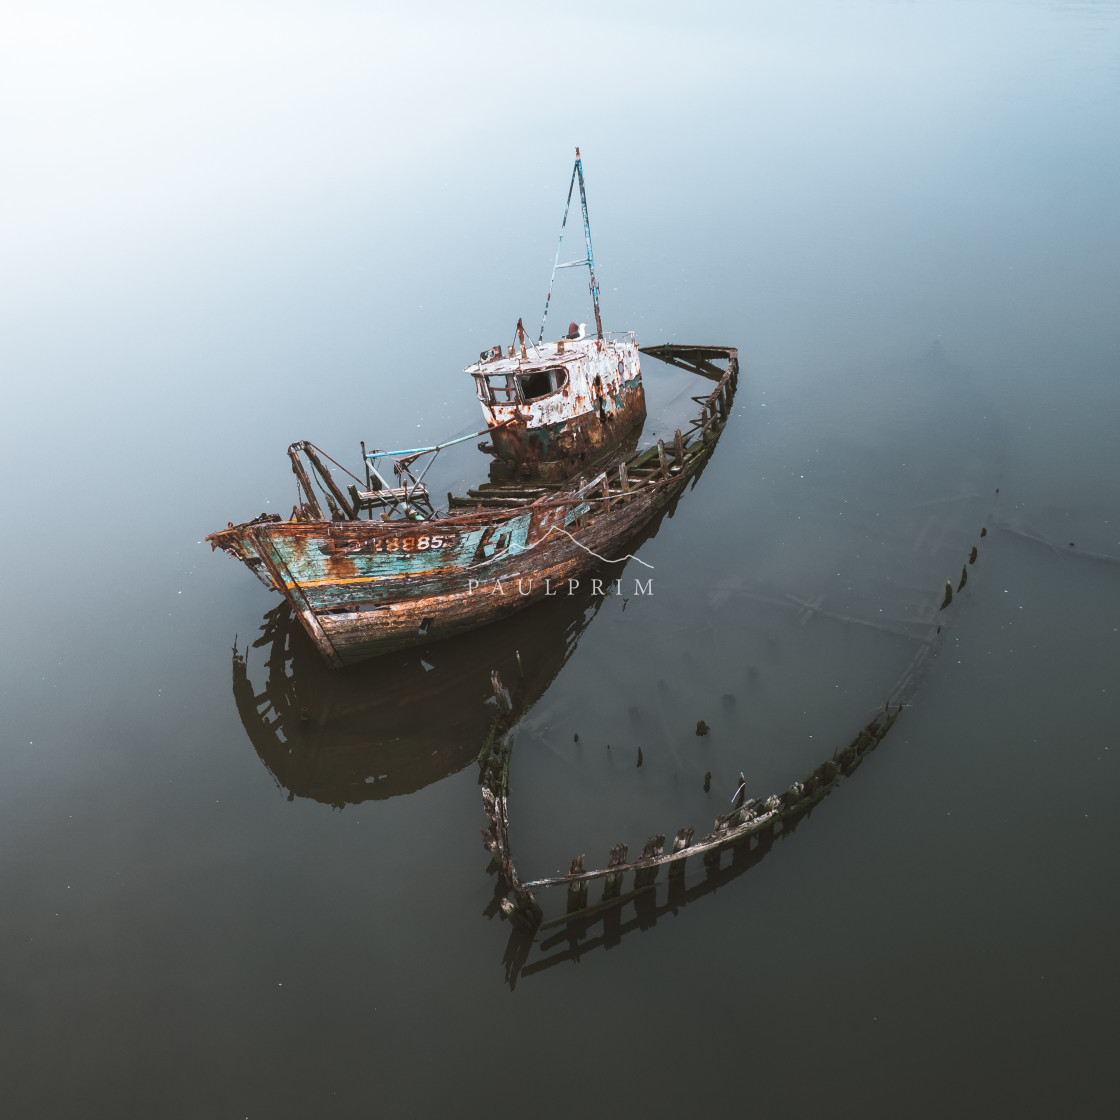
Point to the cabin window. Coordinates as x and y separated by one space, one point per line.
535 384
497 388
542 382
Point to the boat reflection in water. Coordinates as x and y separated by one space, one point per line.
394 725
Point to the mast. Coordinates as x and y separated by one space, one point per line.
589 260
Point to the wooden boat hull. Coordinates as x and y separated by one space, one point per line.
366 587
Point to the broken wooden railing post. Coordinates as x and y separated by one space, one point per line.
499 692
330 483
624 481
606 494
662 459
524 915
612 885
305 482
681 841
678 448
715 843
644 876
577 891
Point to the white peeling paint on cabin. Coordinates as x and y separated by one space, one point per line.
511 387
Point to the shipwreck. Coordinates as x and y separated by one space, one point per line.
371 564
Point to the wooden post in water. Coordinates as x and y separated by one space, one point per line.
624 481
711 856
681 841
612 884
644 876
499 692
662 458
678 448
577 892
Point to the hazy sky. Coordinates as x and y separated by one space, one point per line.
213 190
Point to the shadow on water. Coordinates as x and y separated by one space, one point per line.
394 725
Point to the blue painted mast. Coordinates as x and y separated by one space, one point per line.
589 260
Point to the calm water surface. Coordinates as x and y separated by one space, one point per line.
238 885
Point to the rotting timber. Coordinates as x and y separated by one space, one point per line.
363 585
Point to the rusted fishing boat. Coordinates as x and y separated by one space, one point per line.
369 567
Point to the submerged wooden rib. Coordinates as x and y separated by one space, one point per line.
747 831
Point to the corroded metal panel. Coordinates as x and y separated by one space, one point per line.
563 405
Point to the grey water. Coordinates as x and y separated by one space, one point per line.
236 884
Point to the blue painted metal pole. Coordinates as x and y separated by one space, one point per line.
556 262
371 455
587 234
